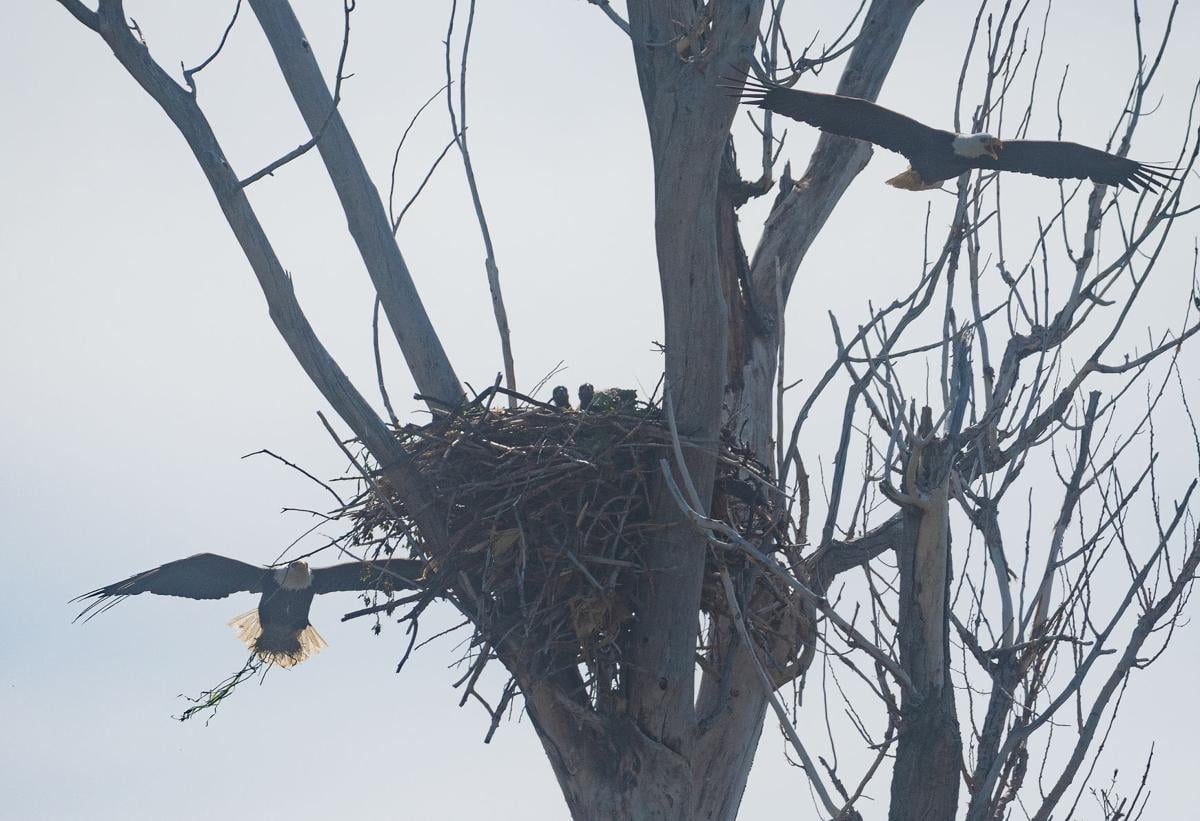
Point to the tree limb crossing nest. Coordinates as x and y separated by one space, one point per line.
548 511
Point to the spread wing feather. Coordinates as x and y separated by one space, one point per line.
846 116
1073 161
385 574
203 576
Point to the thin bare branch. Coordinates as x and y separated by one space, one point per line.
458 126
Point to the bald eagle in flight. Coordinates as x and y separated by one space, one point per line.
936 155
278 629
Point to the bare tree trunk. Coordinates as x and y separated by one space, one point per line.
726 747
925 778
803 206
624 775
926 773
681 52
725 750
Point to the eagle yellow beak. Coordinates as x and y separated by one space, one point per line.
993 147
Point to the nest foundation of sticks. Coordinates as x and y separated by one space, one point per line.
548 511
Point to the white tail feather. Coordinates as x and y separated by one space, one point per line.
311 642
308 642
248 627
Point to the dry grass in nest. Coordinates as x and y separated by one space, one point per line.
548 512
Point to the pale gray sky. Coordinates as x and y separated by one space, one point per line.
139 365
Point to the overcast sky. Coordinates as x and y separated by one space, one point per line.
139 365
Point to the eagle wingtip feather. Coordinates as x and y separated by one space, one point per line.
746 87
103 600
1152 177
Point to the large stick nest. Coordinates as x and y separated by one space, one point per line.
548 512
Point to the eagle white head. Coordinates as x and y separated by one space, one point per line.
296 576
973 146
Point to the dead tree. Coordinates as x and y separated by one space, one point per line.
621 574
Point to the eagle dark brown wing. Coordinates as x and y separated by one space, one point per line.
848 117
384 574
203 576
1048 158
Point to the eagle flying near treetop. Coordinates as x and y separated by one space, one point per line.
277 630
936 155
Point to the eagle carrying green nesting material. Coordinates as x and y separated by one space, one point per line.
278 629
